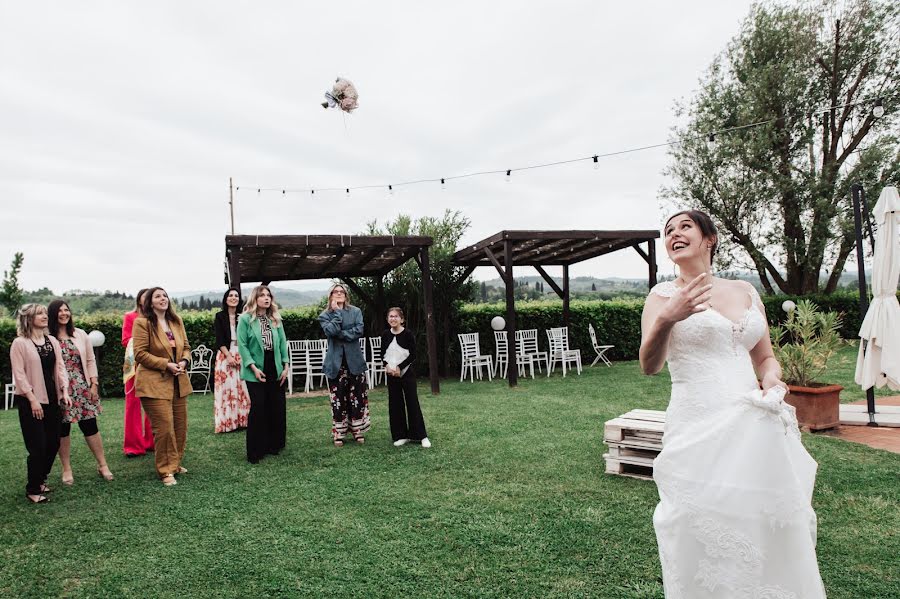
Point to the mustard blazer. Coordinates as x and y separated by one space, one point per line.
152 353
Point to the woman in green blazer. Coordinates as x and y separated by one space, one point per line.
265 367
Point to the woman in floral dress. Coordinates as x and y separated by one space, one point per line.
232 404
78 357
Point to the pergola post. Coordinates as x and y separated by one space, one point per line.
512 370
431 339
651 262
234 267
565 295
380 308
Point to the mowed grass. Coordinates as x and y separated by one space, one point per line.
511 501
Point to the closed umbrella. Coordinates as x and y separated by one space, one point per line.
878 362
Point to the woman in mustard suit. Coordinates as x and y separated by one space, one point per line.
264 366
163 355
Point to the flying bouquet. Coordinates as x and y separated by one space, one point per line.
343 95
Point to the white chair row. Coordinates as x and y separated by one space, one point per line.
308 356
306 360
558 338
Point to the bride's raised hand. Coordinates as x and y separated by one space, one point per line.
690 299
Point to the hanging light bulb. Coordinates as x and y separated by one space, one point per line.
508 176
878 109
390 190
312 191
443 185
596 163
348 191
711 142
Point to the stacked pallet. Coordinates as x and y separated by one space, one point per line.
634 440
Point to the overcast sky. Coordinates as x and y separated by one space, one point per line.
121 122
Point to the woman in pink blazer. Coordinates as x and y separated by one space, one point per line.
41 386
81 367
138 433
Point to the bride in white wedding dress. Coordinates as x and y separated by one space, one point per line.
735 483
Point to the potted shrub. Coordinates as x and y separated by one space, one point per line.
803 346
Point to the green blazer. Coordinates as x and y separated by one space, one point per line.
250 346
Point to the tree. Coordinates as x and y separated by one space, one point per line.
11 293
780 190
403 286
593 286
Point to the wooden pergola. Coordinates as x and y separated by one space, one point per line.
538 249
267 258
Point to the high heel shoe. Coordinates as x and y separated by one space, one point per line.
108 475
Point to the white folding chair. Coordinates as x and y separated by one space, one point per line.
599 349
315 360
376 364
501 353
560 352
298 361
472 357
527 342
9 396
201 365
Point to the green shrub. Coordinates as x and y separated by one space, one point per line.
617 322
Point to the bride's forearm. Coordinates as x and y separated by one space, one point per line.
769 367
655 346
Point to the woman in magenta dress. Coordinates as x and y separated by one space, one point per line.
138 434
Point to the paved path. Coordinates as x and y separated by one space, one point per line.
879 437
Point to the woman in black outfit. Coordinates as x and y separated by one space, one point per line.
399 354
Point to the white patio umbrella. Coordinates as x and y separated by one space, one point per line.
878 362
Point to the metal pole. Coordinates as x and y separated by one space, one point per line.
231 203
856 192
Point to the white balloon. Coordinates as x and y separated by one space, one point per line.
788 306
497 323
97 338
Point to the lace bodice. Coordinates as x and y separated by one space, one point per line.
709 357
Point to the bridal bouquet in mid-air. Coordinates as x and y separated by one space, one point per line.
343 95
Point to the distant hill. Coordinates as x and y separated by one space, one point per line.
285 298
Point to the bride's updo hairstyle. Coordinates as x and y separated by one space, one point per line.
706 224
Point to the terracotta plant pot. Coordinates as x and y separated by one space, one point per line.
818 408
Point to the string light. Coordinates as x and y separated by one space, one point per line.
709 138
443 185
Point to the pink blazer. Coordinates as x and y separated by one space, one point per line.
28 374
84 347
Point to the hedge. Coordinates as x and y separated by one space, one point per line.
617 322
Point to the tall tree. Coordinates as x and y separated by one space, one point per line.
11 293
812 74
403 286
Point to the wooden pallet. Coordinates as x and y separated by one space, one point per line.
637 428
620 468
634 440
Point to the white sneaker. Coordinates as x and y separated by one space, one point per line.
426 443
400 442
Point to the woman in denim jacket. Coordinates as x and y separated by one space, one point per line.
345 367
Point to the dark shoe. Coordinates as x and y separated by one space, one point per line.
45 489
37 498
133 455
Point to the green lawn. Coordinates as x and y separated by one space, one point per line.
510 502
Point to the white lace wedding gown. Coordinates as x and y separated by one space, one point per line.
735 483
